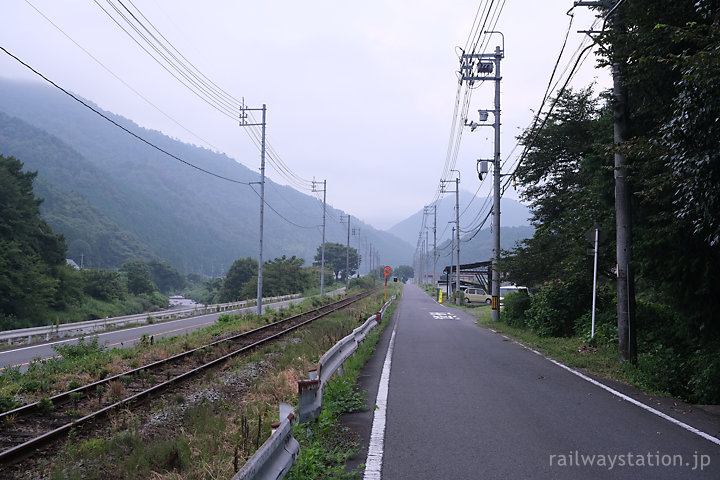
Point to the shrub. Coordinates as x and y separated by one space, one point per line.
704 383
227 318
515 306
79 349
551 311
7 402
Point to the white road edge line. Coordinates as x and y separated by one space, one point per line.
373 464
637 403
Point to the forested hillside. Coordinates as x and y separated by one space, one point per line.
116 198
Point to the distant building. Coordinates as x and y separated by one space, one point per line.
72 263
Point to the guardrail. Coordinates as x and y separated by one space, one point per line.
274 458
49 332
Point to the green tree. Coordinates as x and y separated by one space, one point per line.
30 253
104 285
669 54
137 277
281 276
71 288
166 277
336 259
240 272
404 272
566 177
284 276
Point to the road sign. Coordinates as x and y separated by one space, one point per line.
387 271
590 235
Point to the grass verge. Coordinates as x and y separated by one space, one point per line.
210 428
601 360
327 444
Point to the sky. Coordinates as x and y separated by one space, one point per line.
361 94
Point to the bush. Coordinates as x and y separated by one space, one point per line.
551 311
227 318
79 349
704 383
515 306
8 402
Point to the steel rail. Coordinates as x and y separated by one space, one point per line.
17 452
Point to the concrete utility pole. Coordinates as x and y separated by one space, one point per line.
627 339
356 231
243 123
452 249
347 258
456 231
479 67
435 246
322 247
426 211
427 253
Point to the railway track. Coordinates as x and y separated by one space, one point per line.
33 426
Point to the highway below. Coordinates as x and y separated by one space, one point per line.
464 403
22 356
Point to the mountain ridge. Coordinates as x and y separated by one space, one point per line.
196 222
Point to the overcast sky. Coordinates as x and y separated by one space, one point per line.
359 93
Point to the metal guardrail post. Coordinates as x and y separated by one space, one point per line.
309 398
273 459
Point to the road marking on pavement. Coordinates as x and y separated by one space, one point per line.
443 316
373 464
637 403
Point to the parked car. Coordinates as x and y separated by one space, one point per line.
477 295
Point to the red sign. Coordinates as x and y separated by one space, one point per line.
387 271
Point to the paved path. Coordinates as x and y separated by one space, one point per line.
466 403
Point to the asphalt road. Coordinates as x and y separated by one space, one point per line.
23 356
465 403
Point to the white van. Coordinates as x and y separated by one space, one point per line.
513 289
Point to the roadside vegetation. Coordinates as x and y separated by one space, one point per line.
596 355
88 361
210 428
671 72
326 444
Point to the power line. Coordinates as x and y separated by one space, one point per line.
180 68
120 79
147 142
280 215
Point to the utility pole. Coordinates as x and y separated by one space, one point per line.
243 123
356 231
479 67
456 231
347 255
627 339
434 246
322 247
426 211
427 252
452 249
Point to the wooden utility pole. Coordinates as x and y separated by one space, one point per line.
627 338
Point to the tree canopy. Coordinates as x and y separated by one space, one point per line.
31 255
336 259
669 57
240 272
